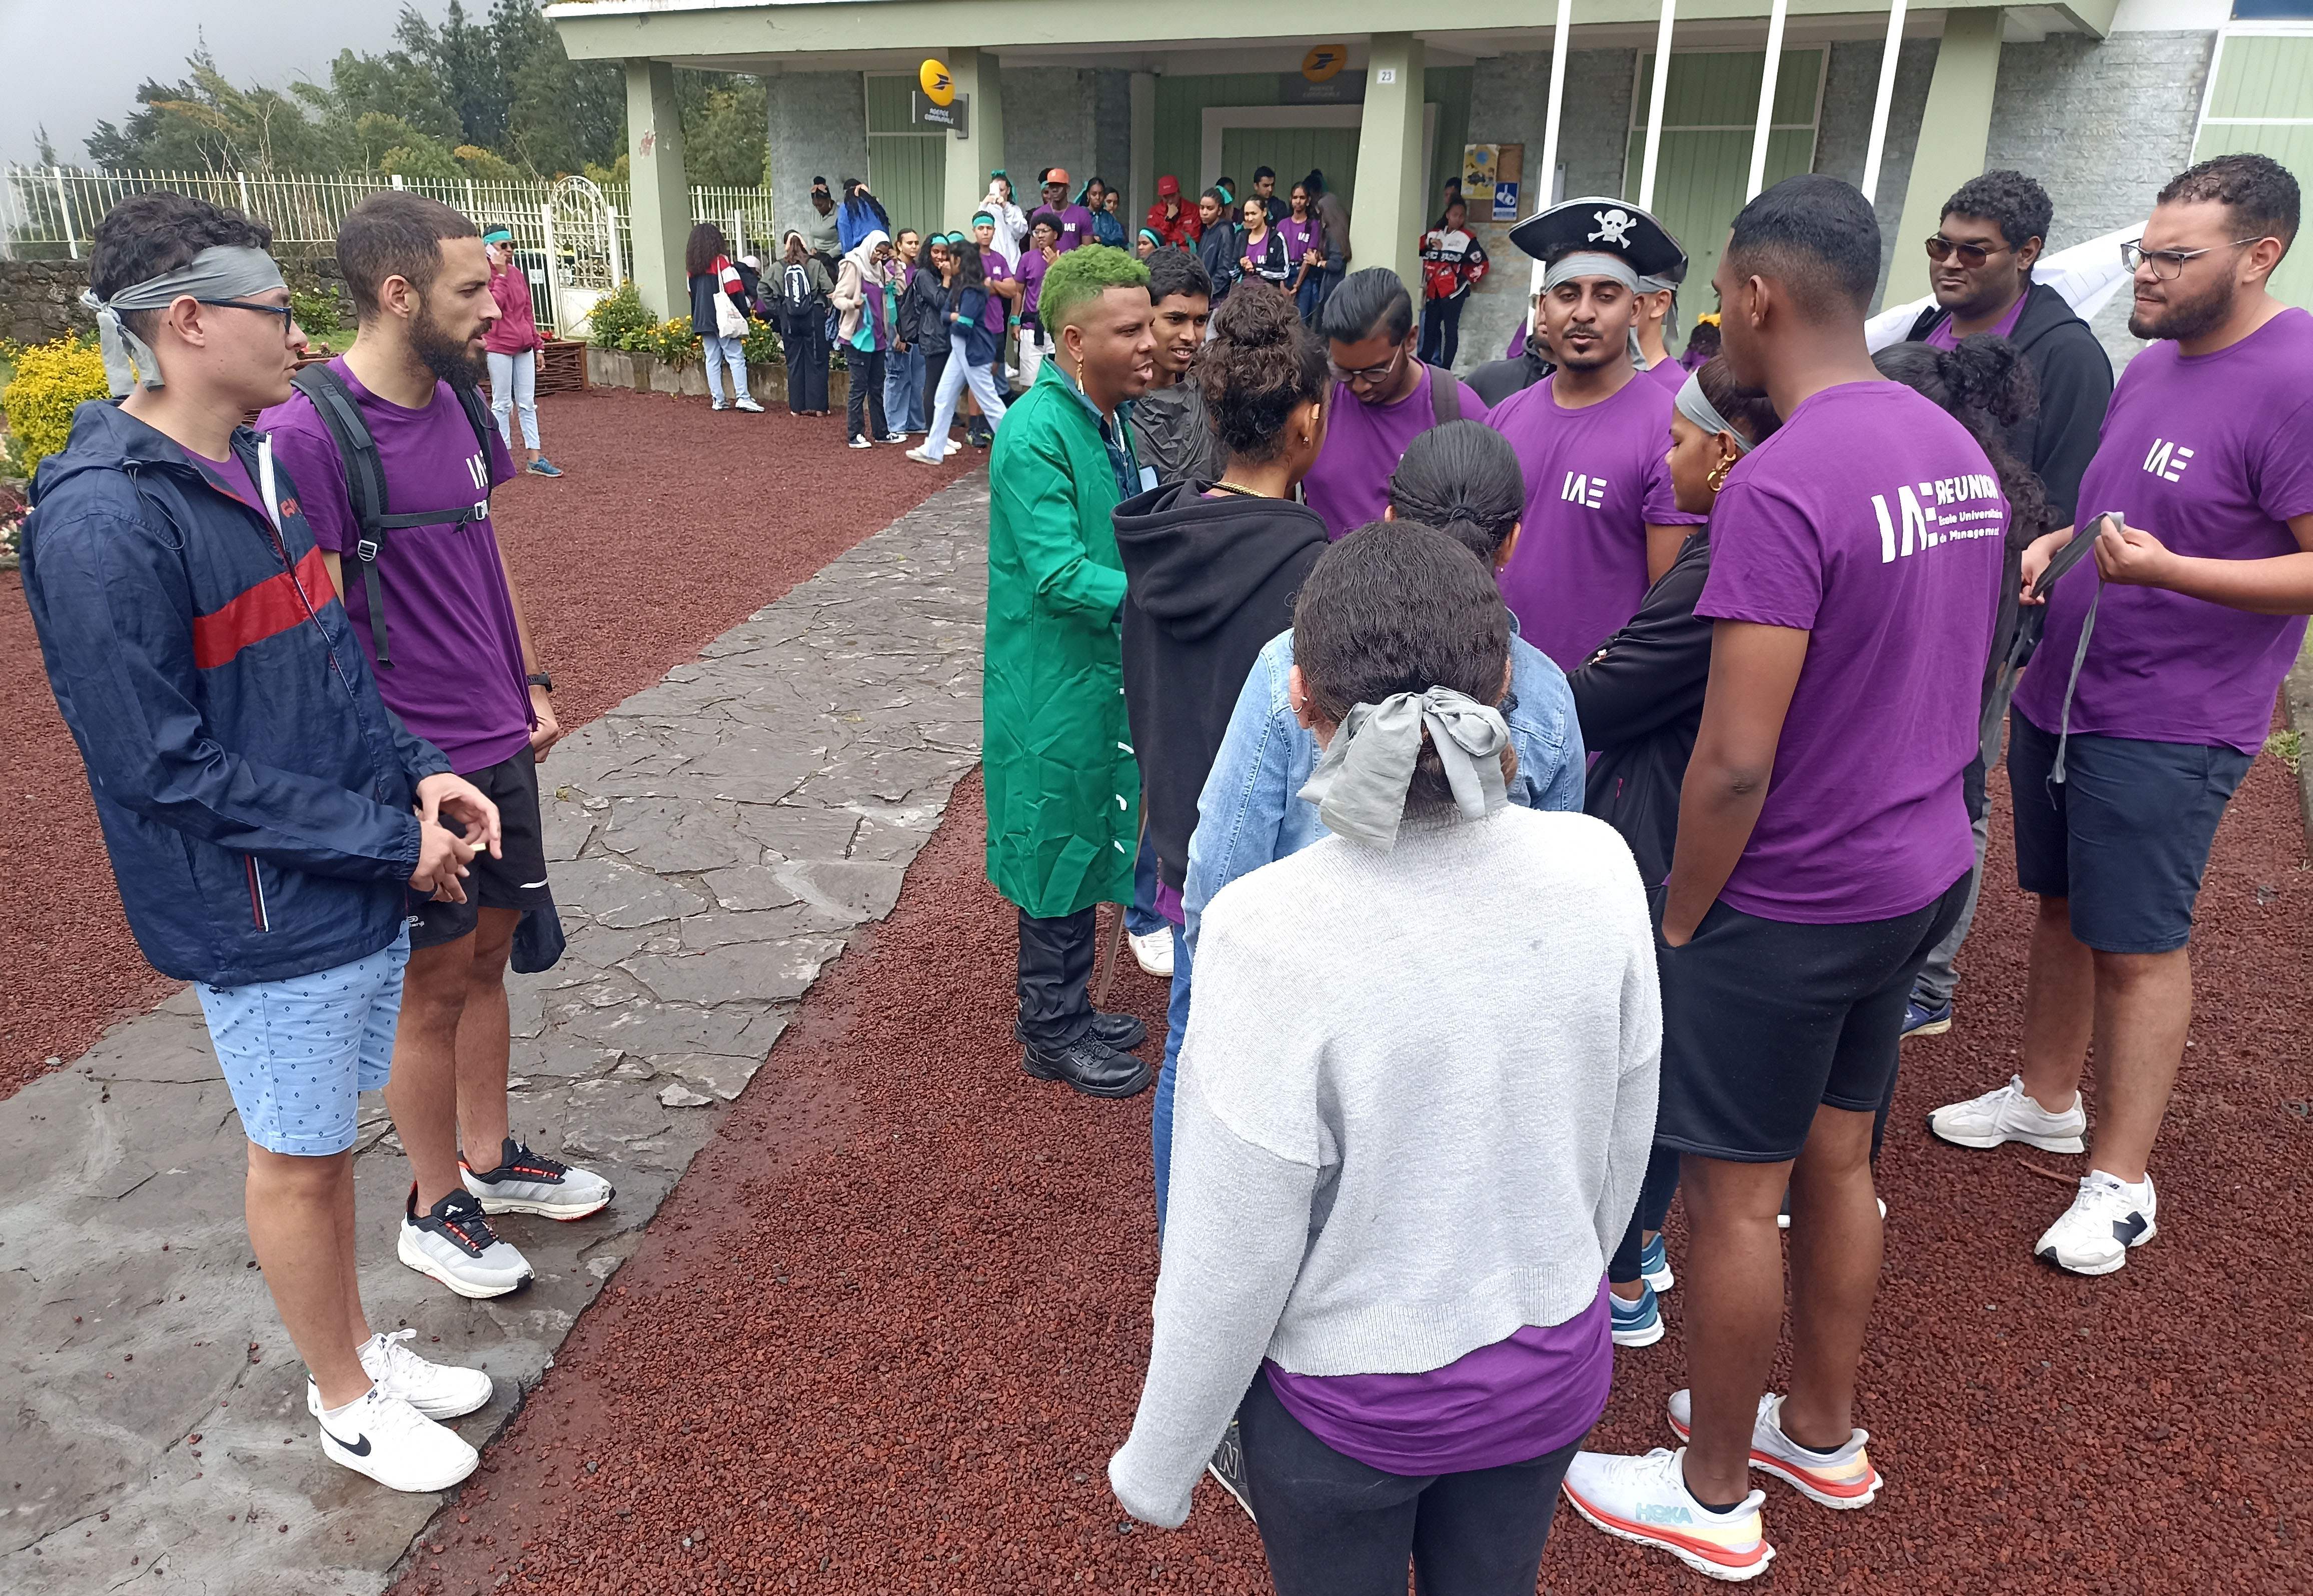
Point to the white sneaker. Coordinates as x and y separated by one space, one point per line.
1153 951
387 1439
437 1390
748 405
528 1182
859 440
921 458
453 1241
1839 1479
2011 1115
2103 1222
1645 1500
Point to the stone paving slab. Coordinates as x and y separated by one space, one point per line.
717 837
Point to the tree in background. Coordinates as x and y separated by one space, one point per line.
474 96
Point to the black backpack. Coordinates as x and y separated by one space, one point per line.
334 402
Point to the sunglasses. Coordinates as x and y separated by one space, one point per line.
1941 248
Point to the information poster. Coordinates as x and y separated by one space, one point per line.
1496 170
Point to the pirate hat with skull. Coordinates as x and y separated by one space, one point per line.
1598 225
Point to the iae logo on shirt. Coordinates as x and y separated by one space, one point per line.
1929 514
2167 459
1590 492
479 469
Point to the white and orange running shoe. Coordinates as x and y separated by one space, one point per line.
1645 1500
1842 1479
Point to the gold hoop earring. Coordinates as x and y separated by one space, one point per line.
1717 480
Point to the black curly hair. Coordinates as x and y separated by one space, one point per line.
1259 366
2262 193
1986 385
149 235
2016 203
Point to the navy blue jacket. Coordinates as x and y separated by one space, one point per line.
254 790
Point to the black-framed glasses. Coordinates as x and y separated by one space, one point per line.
287 314
1941 248
2168 264
1368 373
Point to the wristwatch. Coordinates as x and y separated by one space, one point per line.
540 679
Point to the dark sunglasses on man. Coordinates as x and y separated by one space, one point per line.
1971 256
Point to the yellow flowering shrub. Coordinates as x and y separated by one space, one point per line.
52 380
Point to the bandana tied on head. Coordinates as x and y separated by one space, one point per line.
1588 263
1359 784
1692 404
221 271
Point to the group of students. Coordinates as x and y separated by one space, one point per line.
312 710
1558 805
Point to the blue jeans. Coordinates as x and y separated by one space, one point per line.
1160 1118
721 353
904 390
1140 916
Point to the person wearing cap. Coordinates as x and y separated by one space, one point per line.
821 230
1173 222
513 348
1602 523
1075 222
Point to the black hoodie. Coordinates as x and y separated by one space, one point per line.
1209 582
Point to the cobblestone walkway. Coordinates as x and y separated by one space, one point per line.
719 837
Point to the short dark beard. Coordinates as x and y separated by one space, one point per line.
443 354
2190 320
1589 362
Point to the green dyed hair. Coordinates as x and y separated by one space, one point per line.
1081 275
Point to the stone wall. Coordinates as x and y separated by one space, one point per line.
1051 119
818 128
1843 134
39 300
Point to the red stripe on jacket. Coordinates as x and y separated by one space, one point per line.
272 607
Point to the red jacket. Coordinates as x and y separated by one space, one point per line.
1185 229
516 328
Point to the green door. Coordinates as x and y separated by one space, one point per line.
1293 151
1711 108
907 170
2264 101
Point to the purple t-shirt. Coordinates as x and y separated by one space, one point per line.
228 474
2212 454
996 269
1944 337
1595 479
1075 228
456 677
1670 374
1523 1398
1300 237
1349 484
1033 268
1873 522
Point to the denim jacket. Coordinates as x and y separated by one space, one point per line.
1250 812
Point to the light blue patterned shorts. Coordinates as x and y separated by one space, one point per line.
297 1052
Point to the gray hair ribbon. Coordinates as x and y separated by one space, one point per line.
1590 263
1696 407
1359 784
221 271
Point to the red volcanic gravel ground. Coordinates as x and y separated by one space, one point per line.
889 1328
672 525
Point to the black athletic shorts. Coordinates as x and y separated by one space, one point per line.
514 879
2124 837
1764 1022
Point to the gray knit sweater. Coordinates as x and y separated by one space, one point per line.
1415 1102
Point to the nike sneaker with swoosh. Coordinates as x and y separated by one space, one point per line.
437 1390
528 1182
1841 1479
387 1439
2104 1221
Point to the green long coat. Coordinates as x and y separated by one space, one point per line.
1063 791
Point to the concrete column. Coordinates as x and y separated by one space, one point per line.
1954 130
1385 222
661 195
1141 182
970 159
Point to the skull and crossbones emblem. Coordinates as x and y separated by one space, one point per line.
1613 226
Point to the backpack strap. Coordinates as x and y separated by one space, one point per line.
1444 397
334 402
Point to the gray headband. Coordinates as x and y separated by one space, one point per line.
1359 784
1696 407
1657 286
1590 263
221 271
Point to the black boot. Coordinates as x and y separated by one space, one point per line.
1088 1064
1120 1031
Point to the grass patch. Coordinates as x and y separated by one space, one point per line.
2288 747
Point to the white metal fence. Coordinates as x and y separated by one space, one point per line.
52 211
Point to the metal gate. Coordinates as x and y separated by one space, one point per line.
582 252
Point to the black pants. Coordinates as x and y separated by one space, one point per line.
935 368
1331 1525
1655 1193
864 407
1441 330
805 348
1055 971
